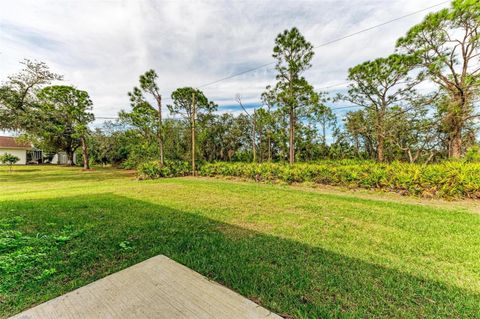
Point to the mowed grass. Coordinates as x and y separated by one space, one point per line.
299 252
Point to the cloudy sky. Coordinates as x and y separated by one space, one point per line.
102 46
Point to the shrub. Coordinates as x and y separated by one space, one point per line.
154 169
446 180
9 159
472 155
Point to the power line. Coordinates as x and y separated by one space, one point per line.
235 75
241 105
333 85
381 24
332 108
345 107
326 43
315 47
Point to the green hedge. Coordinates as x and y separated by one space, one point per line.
153 169
446 180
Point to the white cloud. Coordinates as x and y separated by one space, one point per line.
103 46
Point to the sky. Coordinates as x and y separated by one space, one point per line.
102 46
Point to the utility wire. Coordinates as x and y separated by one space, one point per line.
316 47
380 25
326 43
332 108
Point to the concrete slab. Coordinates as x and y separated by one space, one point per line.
156 288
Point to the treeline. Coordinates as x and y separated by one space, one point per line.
52 117
416 105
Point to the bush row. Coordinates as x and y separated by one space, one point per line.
446 180
154 169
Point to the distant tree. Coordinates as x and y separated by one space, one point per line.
9 159
18 95
341 148
267 120
360 128
265 124
177 146
189 103
322 114
145 116
252 116
224 136
63 118
110 144
292 91
413 133
448 45
378 86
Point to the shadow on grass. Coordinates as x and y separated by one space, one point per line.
69 174
20 171
285 276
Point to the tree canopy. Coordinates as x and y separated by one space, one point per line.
447 44
293 54
63 115
417 104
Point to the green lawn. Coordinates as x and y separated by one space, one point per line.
299 252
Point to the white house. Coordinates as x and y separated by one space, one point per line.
28 154
10 145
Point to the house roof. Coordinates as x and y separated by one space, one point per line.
11 142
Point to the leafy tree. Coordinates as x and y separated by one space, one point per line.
341 148
143 115
307 143
177 146
224 137
266 125
292 91
189 103
473 154
253 124
110 144
320 113
360 128
63 118
9 159
413 133
18 95
447 43
378 86
267 122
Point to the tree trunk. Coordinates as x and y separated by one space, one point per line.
324 131
160 146
457 122
160 128
269 147
410 157
254 150
380 148
292 136
193 133
456 145
86 159
261 149
357 145
380 132
70 155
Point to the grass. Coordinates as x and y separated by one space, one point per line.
298 252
